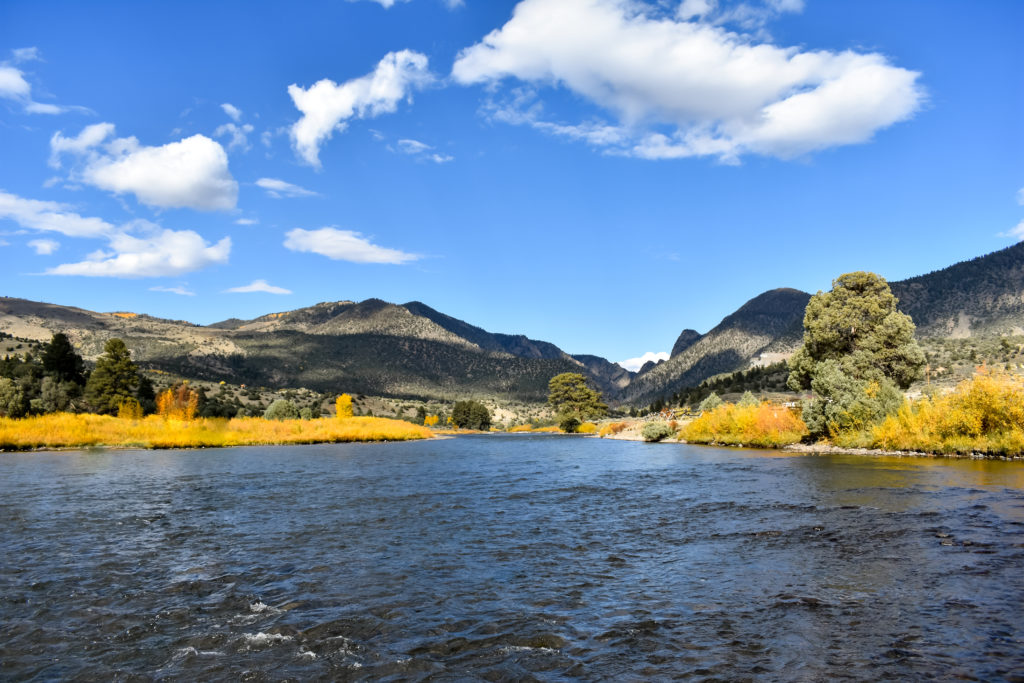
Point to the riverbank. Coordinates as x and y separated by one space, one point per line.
65 430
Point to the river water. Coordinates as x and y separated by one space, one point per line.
508 558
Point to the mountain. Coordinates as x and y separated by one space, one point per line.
370 347
983 296
769 322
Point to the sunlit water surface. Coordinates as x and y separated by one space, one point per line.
508 558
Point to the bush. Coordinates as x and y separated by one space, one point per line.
765 425
587 428
471 415
656 431
612 428
281 409
710 403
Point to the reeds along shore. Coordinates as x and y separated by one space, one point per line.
66 430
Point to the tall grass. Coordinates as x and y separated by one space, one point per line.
767 425
984 414
66 430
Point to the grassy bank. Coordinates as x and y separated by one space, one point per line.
65 430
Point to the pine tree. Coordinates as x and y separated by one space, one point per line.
114 380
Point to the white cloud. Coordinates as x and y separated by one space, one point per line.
1016 233
239 134
231 110
14 86
413 146
180 290
162 253
387 4
191 173
634 364
44 247
279 189
327 106
690 88
26 54
246 221
259 286
90 137
422 150
343 245
51 217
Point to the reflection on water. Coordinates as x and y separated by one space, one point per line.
509 558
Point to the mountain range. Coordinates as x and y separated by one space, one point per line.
412 350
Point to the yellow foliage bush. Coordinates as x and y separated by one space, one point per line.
129 409
534 430
587 428
984 414
611 428
66 430
431 420
766 424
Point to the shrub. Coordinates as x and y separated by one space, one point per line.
281 409
710 403
765 425
587 428
612 428
656 431
177 403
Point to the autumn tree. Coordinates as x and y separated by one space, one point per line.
178 403
858 352
343 406
574 401
114 380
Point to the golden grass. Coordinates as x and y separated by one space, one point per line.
587 428
66 430
766 425
612 428
530 429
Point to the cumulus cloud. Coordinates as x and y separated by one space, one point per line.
135 249
47 216
191 173
279 189
634 364
162 253
680 88
44 247
179 290
327 106
259 286
343 245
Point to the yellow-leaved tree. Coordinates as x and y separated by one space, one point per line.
344 406
178 403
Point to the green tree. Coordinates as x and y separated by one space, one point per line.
61 362
114 380
710 403
281 409
748 400
471 415
13 402
574 401
858 351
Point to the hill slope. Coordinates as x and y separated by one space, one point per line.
370 347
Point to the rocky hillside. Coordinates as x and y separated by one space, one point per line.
370 347
769 322
977 298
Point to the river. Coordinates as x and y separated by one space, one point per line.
508 558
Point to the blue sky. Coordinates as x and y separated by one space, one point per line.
596 173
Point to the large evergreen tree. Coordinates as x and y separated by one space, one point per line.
114 380
574 401
858 351
61 362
